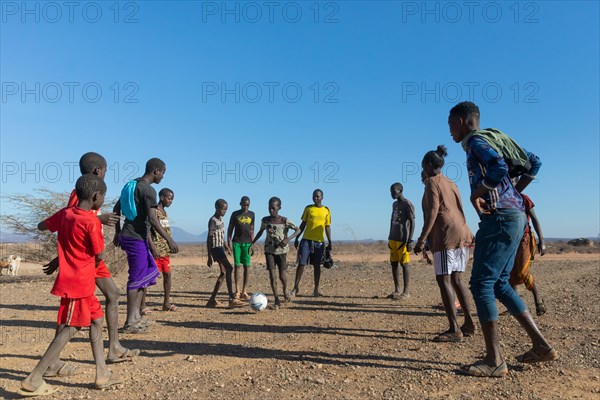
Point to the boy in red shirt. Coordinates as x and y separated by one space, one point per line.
80 245
95 164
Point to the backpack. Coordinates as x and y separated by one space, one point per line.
515 157
128 208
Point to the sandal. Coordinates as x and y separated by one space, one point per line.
244 296
43 390
172 307
480 368
540 308
137 328
114 379
146 311
531 356
127 356
64 370
452 337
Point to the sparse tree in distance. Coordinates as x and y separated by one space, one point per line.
31 209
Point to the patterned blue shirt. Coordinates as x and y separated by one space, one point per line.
487 168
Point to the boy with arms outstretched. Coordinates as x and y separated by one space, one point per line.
95 164
216 246
316 224
80 246
402 226
138 203
276 246
240 236
446 231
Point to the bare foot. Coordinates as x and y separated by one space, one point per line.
468 330
276 305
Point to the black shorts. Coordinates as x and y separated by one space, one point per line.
218 253
278 260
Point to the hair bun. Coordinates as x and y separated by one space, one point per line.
441 151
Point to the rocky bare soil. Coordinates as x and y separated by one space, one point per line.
352 344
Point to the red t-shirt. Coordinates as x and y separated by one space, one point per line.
74 200
528 205
79 241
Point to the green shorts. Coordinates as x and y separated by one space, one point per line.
240 254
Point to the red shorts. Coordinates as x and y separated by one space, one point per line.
79 312
163 264
102 270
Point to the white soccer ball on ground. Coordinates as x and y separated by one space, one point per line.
258 301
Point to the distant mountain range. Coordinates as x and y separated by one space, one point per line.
6 237
181 236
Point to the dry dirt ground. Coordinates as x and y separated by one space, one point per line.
351 344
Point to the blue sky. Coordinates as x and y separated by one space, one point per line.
276 99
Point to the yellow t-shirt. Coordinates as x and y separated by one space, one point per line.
316 218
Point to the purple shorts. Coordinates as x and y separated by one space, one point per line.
142 268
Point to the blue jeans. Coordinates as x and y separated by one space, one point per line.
496 244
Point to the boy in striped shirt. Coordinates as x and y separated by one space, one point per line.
216 245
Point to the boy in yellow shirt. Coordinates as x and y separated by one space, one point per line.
316 222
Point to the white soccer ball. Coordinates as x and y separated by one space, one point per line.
258 301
